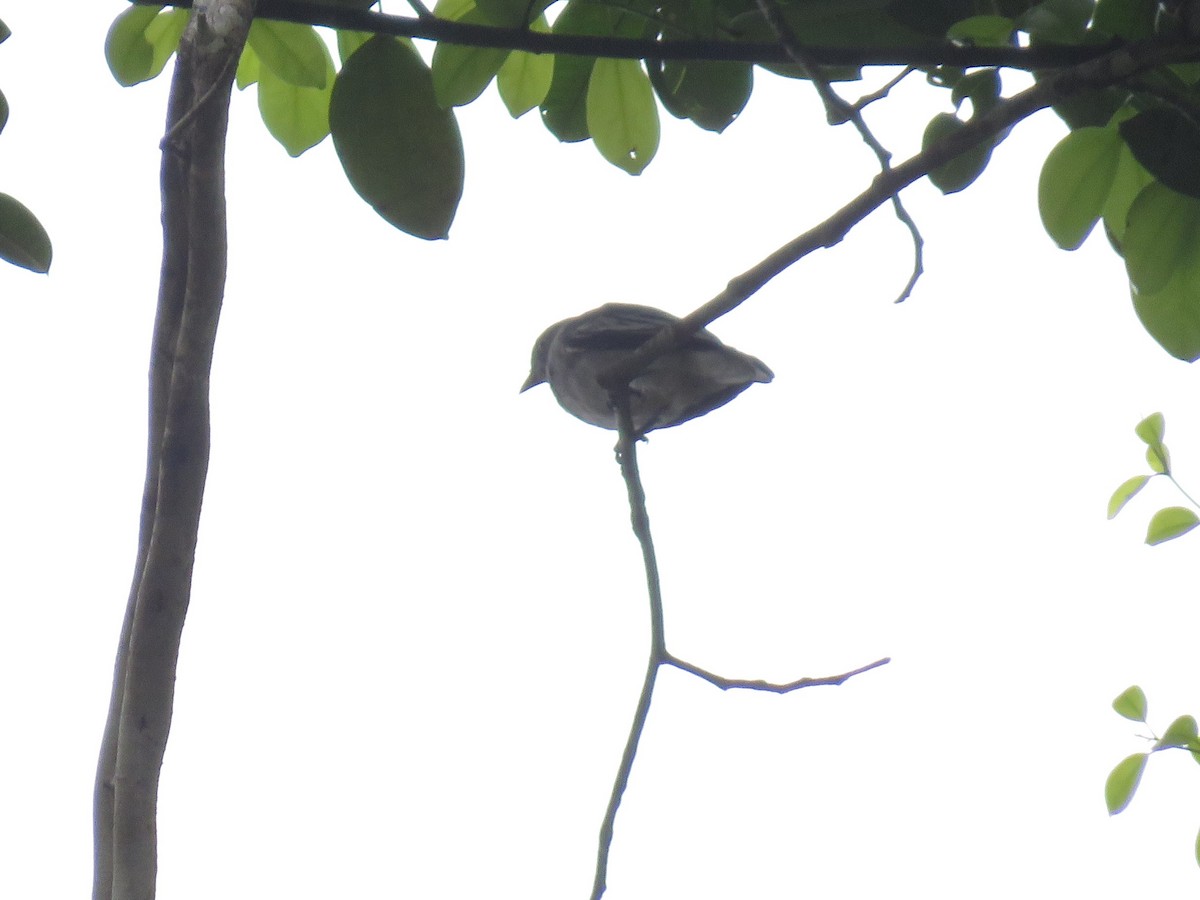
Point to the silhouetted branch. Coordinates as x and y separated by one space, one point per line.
435 29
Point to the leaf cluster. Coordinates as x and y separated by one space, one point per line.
1172 521
1131 162
1123 780
614 102
23 240
1130 159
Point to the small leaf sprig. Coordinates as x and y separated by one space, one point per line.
1123 781
1172 521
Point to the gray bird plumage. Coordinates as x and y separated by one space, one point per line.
687 382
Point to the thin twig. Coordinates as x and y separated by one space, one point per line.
757 684
838 111
627 455
867 99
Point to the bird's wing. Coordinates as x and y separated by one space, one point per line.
625 326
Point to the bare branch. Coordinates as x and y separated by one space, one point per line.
839 111
758 684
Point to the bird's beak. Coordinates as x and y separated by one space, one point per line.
532 381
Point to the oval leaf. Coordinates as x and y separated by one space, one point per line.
401 151
1131 704
1167 143
1152 429
1161 237
1075 182
293 52
126 50
964 168
1123 781
1159 459
524 79
712 94
1125 493
1129 180
163 35
622 115
248 68
1171 314
1179 733
297 117
23 240
461 73
1170 523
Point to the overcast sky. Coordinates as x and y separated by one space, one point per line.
418 624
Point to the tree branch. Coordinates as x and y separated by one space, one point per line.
659 656
467 34
1112 68
758 684
838 112
191 290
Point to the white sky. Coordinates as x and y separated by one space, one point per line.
418 623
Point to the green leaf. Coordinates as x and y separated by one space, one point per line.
524 79
4 32
963 169
564 111
401 151
1152 429
23 240
1159 459
1167 143
1172 314
1125 493
1058 21
622 115
1129 19
711 94
460 73
981 87
982 31
297 117
163 35
1075 183
1197 848
1123 781
248 69
1128 181
1179 733
129 55
1131 704
1170 523
293 52
1162 237
349 41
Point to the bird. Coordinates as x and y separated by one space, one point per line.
688 381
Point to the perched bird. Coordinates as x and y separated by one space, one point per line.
687 382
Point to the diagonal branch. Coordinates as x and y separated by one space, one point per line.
191 290
1112 68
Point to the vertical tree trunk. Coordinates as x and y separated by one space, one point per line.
190 294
